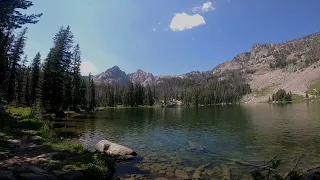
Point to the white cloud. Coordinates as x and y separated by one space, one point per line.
159 23
154 29
206 7
183 21
87 67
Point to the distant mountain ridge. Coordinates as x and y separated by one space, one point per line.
291 65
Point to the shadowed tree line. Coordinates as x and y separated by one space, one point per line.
195 89
56 83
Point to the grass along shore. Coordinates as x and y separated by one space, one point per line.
23 137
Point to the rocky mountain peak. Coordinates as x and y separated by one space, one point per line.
112 75
142 77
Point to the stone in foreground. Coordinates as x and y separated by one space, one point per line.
115 150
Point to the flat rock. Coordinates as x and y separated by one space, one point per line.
181 174
189 169
17 169
210 172
131 178
197 173
35 169
31 176
36 138
226 172
51 177
115 150
14 143
6 175
47 155
73 175
160 178
168 173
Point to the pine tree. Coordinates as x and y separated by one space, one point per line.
150 101
35 78
15 57
56 87
10 19
27 86
20 80
83 94
76 77
92 95
129 95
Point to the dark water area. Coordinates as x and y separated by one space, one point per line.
239 137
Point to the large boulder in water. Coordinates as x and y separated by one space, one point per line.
115 150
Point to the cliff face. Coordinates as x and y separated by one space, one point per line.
292 65
141 77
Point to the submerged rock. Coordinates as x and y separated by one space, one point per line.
226 172
14 143
181 174
197 173
31 176
189 169
6 175
115 150
73 175
169 173
160 178
195 147
35 169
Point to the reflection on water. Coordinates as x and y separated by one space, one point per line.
238 137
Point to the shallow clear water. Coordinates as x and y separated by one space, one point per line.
241 137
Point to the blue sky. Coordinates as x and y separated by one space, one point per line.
168 37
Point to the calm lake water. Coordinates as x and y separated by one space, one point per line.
239 137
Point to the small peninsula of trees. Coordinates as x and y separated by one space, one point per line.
281 96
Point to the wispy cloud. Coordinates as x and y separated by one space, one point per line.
154 29
183 21
205 7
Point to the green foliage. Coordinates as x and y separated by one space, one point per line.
35 78
76 77
15 58
227 88
150 100
261 92
57 76
282 95
280 61
37 110
19 111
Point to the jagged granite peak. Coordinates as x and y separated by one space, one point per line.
112 75
142 77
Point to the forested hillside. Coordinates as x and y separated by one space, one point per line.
193 89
